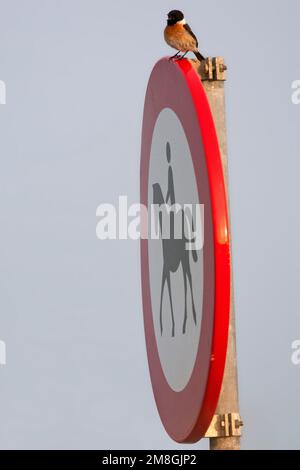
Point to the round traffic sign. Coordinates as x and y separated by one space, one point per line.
185 252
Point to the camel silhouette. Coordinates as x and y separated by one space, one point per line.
174 251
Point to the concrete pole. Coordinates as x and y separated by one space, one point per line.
228 401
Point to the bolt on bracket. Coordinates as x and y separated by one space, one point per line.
212 68
225 425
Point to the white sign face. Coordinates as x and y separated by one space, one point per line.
175 272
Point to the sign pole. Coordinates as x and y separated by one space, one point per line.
225 430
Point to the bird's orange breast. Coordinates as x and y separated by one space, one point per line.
179 38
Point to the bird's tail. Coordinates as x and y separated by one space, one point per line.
199 55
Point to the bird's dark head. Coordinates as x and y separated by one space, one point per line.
175 16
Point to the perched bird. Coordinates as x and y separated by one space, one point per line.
179 35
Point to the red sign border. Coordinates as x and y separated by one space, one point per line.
186 415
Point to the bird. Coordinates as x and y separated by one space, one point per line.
179 35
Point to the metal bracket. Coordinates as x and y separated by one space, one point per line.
212 68
225 425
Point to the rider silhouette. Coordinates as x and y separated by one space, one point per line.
171 190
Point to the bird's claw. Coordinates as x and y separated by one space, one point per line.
175 58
